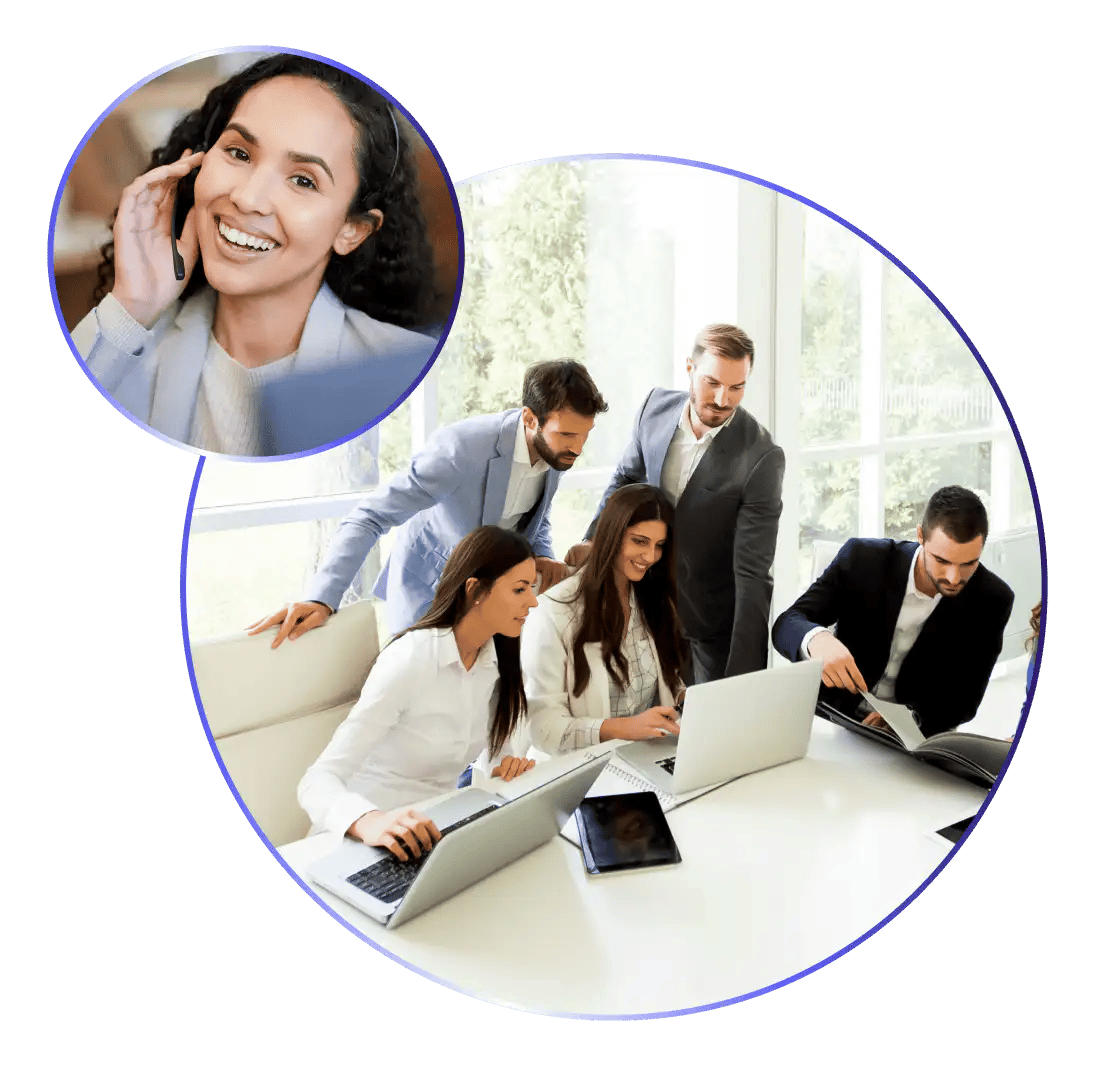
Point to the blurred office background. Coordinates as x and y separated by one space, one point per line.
861 379
121 147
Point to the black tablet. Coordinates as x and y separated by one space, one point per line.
625 832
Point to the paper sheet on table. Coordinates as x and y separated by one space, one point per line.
899 718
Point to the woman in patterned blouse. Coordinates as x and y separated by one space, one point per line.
603 654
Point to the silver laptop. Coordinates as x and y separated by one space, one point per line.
732 727
481 833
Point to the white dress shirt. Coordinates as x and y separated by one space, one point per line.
915 610
526 482
685 452
421 719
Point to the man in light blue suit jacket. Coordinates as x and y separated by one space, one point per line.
500 469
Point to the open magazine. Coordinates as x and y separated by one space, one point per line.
968 755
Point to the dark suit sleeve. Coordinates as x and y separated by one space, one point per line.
630 470
819 605
754 550
975 656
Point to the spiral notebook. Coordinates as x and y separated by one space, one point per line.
618 778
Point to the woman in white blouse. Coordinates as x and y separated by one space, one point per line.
603 653
439 695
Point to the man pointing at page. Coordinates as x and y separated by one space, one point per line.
919 623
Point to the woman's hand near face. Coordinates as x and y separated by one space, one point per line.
511 767
656 722
144 270
403 833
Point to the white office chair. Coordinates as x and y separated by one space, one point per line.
272 712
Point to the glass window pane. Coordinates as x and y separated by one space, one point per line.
831 328
829 514
583 260
912 476
523 294
933 383
395 442
237 576
1022 502
571 512
348 468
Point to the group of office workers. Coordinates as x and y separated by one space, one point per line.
671 586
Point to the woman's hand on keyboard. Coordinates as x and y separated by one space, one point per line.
656 722
403 833
511 767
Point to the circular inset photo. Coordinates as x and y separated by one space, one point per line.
256 254
675 629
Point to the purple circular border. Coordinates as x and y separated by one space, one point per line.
950 854
265 49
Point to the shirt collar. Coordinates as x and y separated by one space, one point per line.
685 423
448 653
911 587
520 451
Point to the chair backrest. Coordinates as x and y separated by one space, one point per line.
272 712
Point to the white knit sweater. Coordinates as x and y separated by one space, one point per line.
226 413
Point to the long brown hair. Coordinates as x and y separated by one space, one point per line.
656 594
485 554
1035 625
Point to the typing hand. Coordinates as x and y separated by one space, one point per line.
511 767
400 832
293 620
657 722
839 668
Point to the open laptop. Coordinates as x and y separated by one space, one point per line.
481 833
732 727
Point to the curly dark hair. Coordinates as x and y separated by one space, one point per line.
656 595
390 276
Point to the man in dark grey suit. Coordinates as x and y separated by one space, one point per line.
721 469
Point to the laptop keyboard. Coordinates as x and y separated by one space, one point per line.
668 764
389 879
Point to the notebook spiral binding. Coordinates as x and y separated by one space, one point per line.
665 800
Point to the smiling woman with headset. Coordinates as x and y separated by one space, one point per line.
277 234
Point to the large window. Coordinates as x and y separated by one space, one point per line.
863 381
879 402
614 262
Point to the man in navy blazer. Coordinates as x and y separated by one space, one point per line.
500 469
917 622
724 474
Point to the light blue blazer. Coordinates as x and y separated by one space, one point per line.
154 374
456 483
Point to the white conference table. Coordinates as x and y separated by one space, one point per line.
779 871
